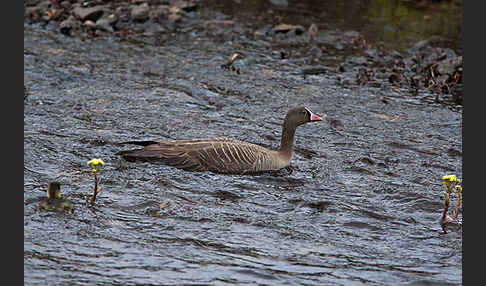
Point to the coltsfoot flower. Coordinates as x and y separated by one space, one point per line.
450 178
96 163
458 189
450 182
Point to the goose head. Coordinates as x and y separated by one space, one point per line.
54 190
300 115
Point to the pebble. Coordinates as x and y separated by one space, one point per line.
89 23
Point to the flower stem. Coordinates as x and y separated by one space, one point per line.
446 208
455 212
93 198
444 219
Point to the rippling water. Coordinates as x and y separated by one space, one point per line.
362 205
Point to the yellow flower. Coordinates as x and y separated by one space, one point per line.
458 188
450 178
95 162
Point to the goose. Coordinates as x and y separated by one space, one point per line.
54 200
223 155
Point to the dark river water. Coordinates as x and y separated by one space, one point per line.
361 207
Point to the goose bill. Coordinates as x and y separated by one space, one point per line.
315 117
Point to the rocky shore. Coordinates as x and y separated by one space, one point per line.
425 67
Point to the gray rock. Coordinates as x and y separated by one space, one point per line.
284 3
442 79
33 12
287 28
36 11
159 11
449 65
106 23
65 4
185 5
174 18
91 13
420 45
140 12
358 60
153 28
67 25
44 4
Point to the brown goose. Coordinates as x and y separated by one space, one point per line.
223 155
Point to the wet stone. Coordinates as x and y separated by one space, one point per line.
279 2
449 66
33 13
187 6
159 12
65 4
420 45
211 24
140 13
67 25
289 29
106 23
91 13
357 60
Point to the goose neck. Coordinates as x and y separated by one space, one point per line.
287 141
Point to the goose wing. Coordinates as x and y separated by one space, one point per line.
221 155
